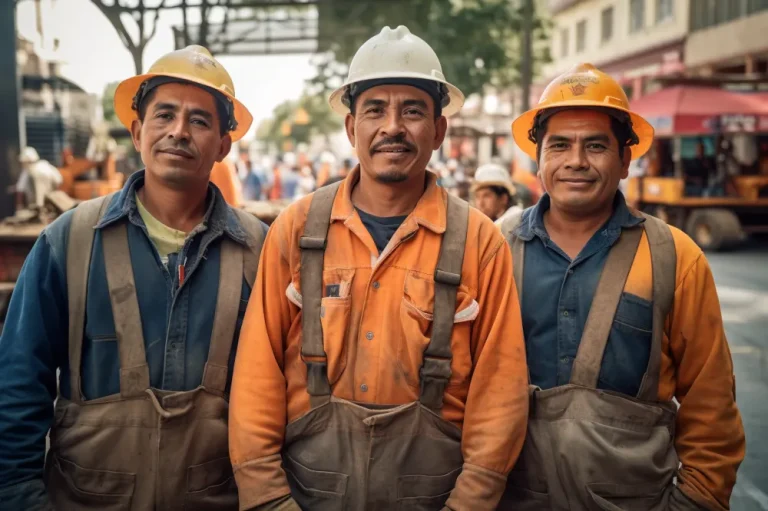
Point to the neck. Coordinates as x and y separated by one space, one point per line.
388 199
182 210
576 225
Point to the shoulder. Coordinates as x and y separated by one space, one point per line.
56 235
689 256
484 237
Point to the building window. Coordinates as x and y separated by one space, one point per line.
606 24
636 15
564 36
665 10
581 36
710 13
754 6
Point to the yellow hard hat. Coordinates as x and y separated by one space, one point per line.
582 86
193 64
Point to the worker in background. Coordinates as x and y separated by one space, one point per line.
494 194
621 316
224 176
38 178
381 362
137 299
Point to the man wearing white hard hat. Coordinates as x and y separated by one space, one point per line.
38 178
137 299
381 363
494 193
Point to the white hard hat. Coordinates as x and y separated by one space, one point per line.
396 54
328 157
289 159
29 155
493 174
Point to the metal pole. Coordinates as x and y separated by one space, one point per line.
11 133
526 65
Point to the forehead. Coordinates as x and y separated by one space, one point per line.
581 120
188 95
395 94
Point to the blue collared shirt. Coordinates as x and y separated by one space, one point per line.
176 322
556 298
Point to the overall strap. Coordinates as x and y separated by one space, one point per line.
255 231
589 358
435 372
312 245
81 232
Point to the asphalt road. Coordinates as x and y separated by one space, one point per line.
742 284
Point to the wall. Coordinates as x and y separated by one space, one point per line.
730 40
623 44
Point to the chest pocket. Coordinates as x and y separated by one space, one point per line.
335 307
629 346
416 316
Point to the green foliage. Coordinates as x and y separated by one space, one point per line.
474 39
320 121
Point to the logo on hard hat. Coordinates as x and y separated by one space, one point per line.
202 61
579 80
578 89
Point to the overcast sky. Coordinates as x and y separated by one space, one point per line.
94 55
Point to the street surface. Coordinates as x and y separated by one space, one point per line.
742 284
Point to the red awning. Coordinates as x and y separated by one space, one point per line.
697 110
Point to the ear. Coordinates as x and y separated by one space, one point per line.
136 135
224 147
349 124
625 161
441 128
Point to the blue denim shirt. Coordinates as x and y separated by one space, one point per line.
176 323
557 295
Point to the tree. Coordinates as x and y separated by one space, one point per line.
471 37
299 121
143 16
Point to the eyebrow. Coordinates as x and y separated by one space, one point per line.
373 102
175 108
416 102
601 137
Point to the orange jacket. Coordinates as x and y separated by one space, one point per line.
487 396
224 176
697 370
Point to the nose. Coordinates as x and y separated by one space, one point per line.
577 158
179 130
393 123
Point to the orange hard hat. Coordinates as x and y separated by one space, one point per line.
193 64
582 86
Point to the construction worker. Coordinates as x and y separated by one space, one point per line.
137 298
621 316
494 194
38 178
381 363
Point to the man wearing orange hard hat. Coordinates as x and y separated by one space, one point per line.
621 319
137 298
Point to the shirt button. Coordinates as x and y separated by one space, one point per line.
364 387
376 285
564 360
570 272
369 336
565 313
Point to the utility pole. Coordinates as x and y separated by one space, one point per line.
10 111
526 64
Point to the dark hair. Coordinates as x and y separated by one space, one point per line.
221 111
621 127
500 191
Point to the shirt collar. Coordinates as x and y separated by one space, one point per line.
430 210
219 218
532 222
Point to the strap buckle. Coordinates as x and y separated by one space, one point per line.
434 375
311 243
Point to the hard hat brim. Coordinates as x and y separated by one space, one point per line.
479 185
522 124
128 88
452 108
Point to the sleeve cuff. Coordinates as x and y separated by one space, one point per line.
260 481
477 489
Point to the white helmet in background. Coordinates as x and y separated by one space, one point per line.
493 174
289 159
393 54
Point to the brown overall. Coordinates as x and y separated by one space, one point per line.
590 449
144 449
346 456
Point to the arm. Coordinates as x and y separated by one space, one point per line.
710 435
257 416
496 412
33 340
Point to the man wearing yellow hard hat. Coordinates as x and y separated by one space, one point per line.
137 298
622 323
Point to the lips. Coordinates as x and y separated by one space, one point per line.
178 152
393 149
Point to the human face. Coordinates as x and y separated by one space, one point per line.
489 203
395 131
580 165
180 138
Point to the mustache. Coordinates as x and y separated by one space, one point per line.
398 140
181 147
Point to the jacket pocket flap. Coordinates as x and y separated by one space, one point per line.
414 486
211 473
99 482
332 482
